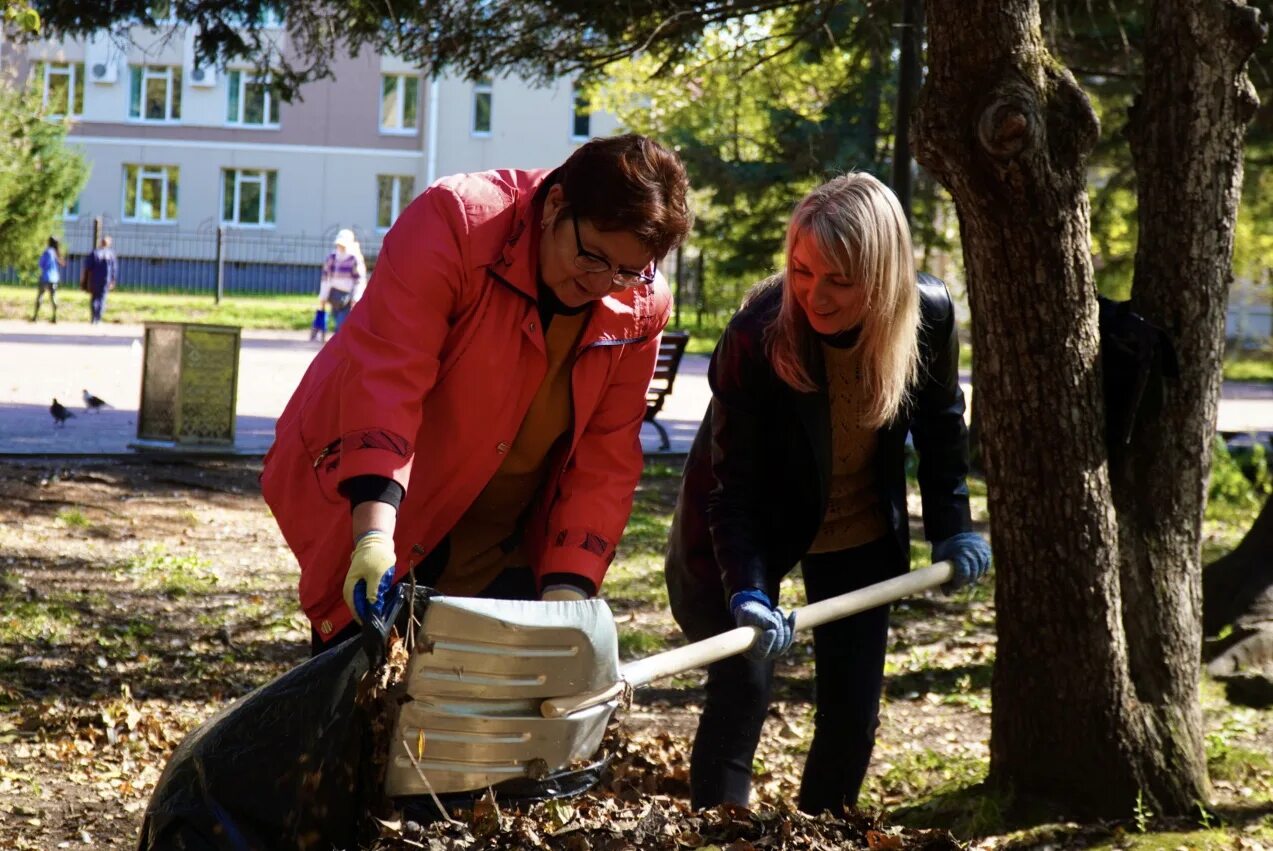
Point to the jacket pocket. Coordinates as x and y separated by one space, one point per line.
319 431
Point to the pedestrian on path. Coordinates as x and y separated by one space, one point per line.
101 270
51 263
800 459
344 276
477 422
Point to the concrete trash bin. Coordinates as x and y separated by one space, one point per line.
189 385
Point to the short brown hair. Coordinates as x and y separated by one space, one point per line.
630 183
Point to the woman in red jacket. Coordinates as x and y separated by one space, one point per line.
477 422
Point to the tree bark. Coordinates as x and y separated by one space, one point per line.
1237 592
1237 588
1186 136
1078 691
910 72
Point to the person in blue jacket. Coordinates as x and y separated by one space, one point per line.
816 382
51 263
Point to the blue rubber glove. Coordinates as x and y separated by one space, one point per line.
752 608
371 562
969 553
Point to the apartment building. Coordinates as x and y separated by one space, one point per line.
178 148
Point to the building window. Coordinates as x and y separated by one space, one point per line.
247 197
150 193
482 104
252 101
581 116
155 93
71 211
399 100
393 192
63 86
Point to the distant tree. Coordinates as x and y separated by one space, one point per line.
39 176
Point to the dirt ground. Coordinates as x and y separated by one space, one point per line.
138 599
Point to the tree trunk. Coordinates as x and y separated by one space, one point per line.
1237 589
1186 135
1237 592
1007 130
910 72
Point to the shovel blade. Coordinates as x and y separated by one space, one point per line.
459 748
512 649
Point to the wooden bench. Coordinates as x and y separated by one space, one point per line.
671 350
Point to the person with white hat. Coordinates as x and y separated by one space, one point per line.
344 276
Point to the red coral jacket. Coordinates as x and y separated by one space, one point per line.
430 378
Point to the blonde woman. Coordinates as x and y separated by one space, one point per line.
816 382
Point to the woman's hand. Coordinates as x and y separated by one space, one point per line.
969 555
752 608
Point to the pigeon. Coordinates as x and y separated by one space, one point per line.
93 403
60 413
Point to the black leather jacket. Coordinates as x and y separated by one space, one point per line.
755 485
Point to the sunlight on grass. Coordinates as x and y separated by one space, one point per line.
175 575
74 518
51 620
278 312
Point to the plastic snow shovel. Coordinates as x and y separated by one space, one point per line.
497 690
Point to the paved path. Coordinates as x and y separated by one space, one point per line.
42 361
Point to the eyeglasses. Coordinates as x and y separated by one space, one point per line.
586 261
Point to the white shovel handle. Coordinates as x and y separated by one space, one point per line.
735 641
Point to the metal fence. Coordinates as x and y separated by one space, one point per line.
213 261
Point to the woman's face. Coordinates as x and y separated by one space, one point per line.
832 302
558 247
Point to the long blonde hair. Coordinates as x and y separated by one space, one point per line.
859 227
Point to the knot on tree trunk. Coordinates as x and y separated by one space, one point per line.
1246 29
1006 128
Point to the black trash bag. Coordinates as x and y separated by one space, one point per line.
1137 358
287 767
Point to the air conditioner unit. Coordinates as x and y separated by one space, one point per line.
101 59
202 76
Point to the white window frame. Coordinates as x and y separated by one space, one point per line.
245 79
574 111
152 72
145 172
400 81
74 71
396 202
249 175
482 87
71 211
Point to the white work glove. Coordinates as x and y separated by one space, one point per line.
370 575
562 593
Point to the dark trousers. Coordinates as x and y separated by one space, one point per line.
97 304
513 583
848 679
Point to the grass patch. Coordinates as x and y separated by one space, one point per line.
73 518
286 312
638 643
51 620
946 790
169 573
1249 366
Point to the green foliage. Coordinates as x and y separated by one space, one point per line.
759 120
39 176
21 15
1237 485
